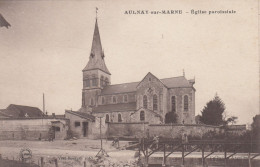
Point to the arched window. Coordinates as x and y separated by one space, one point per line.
91 102
119 118
155 102
101 81
103 100
87 80
145 101
94 80
114 99
83 99
186 103
106 82
173 104
107 118
142 116
125 98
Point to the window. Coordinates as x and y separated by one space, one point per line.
114 99
125 98
186 103
106 82
107 118
155 102
103 100
173 104
87 82
145 101
142 117
83 99
101 81
57 129
77 124
94 80
150 79
119 118
91 102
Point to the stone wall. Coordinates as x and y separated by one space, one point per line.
131 130
176 130
168 131
31 129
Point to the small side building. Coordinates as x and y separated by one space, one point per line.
83 125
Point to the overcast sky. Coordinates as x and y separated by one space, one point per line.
48 45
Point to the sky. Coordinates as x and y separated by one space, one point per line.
49 42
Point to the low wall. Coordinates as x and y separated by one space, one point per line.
176 130
30 129
164 130
131 129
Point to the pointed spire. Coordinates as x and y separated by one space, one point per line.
96 58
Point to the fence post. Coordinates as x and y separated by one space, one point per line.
84 163
203 159
42 162
56 162
182 155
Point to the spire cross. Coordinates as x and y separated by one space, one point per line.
96 12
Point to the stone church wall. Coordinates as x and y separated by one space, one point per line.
179 93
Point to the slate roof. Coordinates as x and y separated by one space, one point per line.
20 111
119 88
96 58
3 113
174 82
82 115
115 107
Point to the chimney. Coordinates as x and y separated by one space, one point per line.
53 115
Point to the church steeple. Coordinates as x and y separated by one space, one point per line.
96 58
95 75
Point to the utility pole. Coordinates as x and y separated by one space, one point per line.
43 103
102 151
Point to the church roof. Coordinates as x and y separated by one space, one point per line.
115 107
119 88
96 58
174 82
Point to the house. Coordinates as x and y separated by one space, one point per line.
20 111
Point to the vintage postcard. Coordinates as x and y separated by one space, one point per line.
129 83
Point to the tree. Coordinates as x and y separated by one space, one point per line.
231 120
171 117
256 126
212 113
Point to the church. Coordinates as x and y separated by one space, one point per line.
148 100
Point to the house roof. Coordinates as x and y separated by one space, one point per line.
82 115
20 111
174 82
115 107
3 114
